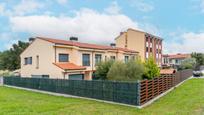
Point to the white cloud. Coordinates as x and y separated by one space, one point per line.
142 5
190 42
87 24
202 6
26 7
152 29
1 9
62 2
113 8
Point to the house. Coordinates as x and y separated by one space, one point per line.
146 44
67 59
174 59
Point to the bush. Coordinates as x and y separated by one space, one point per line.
189 63
135 69
5 73
151 69
132 70
102 69
117 71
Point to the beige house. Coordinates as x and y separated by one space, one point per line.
174 59
54 58
146 44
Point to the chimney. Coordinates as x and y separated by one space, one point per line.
73 38
31 39
113 45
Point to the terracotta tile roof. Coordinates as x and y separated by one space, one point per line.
177 56
85 45
69 66
167 71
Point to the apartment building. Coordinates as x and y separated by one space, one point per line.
146 44
67 59
174 59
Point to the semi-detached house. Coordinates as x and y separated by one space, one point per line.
67 59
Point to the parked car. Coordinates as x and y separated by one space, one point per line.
197 73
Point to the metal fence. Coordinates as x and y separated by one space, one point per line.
132 93
121 92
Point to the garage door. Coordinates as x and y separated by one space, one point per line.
76 77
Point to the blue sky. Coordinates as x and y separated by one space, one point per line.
179 22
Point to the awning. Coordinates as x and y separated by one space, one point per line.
69 66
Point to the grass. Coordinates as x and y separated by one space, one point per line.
184 100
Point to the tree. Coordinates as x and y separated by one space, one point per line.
151 69
135 69
117 71
102 69
10 59
130 71
199 59
188 64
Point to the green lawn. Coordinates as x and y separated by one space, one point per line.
186 99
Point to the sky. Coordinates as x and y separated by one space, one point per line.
179 22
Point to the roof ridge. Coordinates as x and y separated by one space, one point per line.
84 45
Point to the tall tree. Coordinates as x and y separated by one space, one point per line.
10 59
199 59
151 69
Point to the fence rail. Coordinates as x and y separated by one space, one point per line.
132 93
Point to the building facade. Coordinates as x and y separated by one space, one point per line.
63 59
174 59
146 44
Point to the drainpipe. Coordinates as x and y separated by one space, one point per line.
55 53
92 60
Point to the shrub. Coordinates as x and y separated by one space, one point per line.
188 64
132 70
5 73
117 71
102 69
151 69
135 69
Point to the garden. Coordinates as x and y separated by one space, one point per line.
186 99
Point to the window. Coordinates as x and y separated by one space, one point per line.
147 49
28 61
147 55
133 57
147 39
176 61
156 46
86 59
37 62
151 40
98 58
126 59
147 44
63 57
112 57
150 45
150 49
